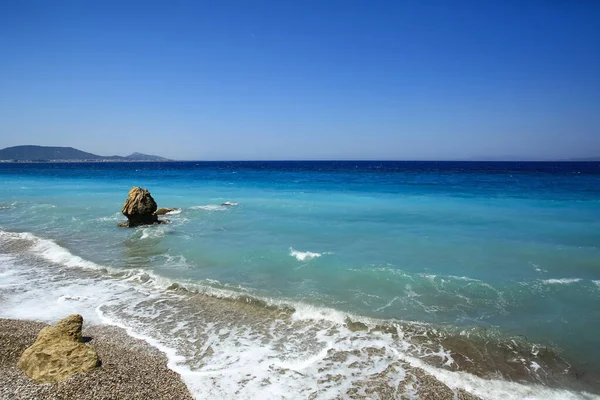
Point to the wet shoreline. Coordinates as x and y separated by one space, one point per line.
228 345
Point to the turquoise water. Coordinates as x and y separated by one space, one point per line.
509 248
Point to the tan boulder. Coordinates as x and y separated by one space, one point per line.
139 207
58 352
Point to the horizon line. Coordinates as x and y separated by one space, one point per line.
474 159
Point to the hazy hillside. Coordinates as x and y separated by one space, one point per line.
144 157
48 153
45 153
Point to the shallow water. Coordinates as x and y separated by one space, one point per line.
475 251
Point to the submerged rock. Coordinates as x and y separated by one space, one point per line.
140 208
163 211
58 352
355 326
386 329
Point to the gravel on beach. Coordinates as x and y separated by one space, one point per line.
131 368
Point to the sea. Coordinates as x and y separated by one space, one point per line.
322 280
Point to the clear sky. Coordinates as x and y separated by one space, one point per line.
303 79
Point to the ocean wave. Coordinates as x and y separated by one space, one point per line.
249 346
563 281
209 207
432 277
226 356
43 206
305 255
114 217
49 250
153 232
463 278
175 211
175 260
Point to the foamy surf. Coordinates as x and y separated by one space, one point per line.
305 255
234 348
49 250
153 232
564 281
114 217
209 207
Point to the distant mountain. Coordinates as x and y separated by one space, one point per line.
144 157
27 153
47 153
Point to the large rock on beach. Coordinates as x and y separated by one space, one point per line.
140 208
58 352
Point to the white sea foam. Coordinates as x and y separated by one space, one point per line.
114 217
389 304
463 278
209 207
175 260
537 268
49 250
307 312
304 255
72 298
43 206
38 296
597 283
432 277
174 360
153 232
228 355
564 281
498 389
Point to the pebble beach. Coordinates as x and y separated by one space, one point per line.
131 369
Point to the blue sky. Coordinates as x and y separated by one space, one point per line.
303 79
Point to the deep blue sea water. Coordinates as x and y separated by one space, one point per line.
499 249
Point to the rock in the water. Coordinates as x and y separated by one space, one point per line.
163 211
58 352
355 326
140 207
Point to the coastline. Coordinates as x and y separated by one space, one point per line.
203 335
131 368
